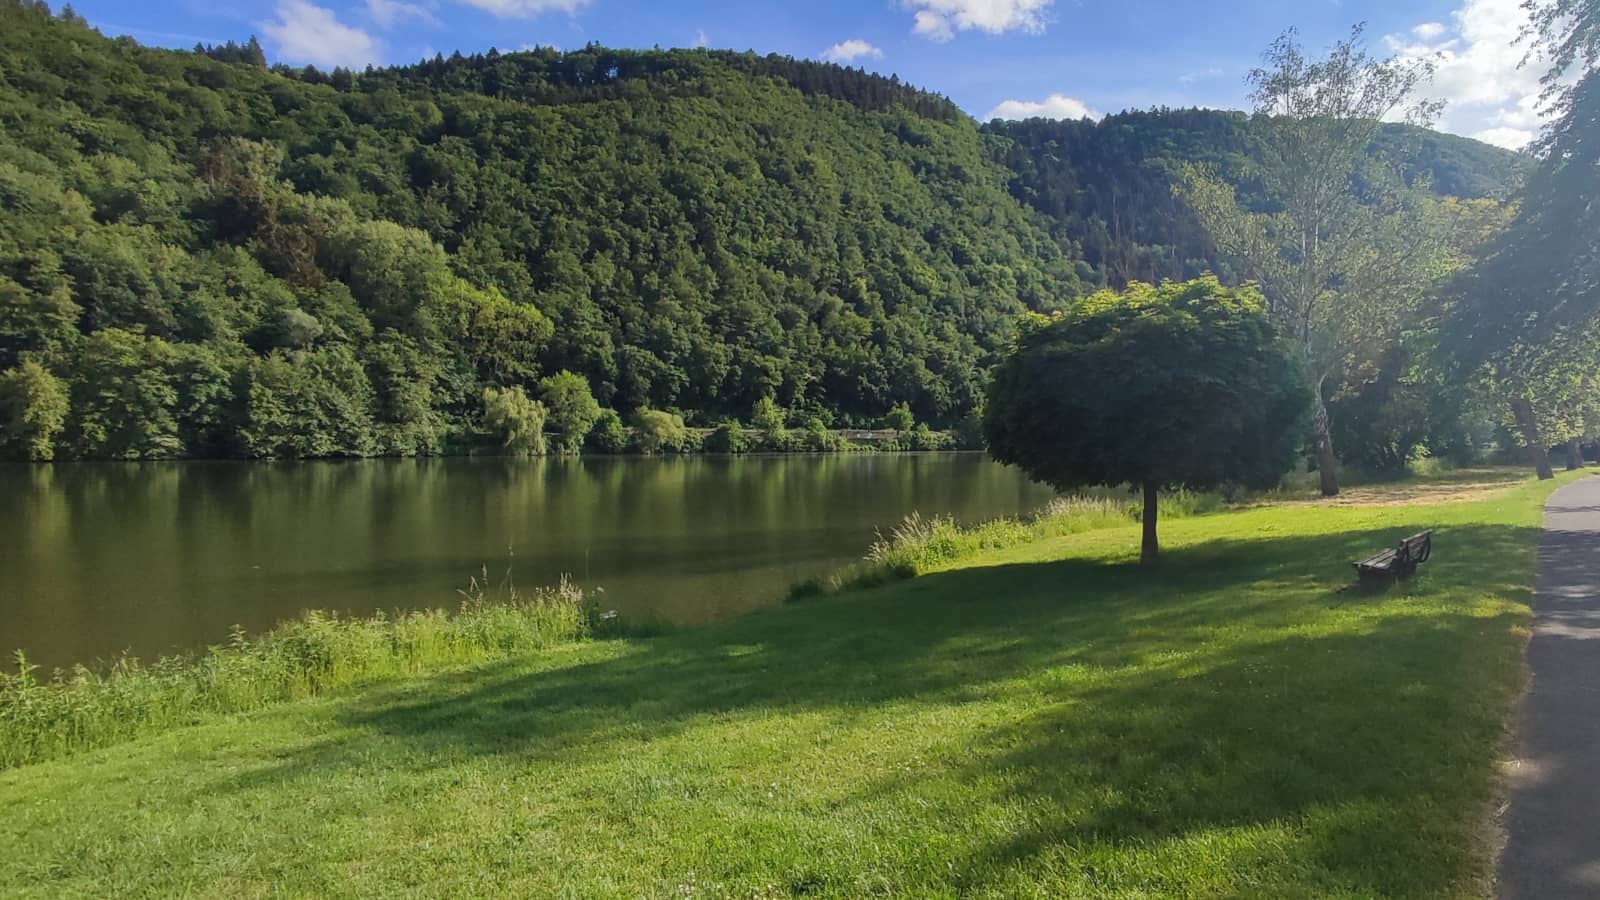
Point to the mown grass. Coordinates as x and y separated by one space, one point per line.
319 653
920 544
1045 719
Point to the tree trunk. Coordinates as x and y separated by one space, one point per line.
1574 455
1538 453
1150 553
1327 463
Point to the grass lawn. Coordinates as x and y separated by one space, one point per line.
1047 720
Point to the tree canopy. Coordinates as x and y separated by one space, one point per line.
1182 385
212 256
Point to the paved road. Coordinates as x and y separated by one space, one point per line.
1553 823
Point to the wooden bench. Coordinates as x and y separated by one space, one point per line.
1383 569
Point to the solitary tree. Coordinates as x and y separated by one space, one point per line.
1183 385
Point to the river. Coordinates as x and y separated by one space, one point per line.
97 559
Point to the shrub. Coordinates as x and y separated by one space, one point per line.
608 435
518 420
899 418
924 438
818 439
728 438
657 431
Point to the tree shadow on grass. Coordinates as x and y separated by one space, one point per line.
1218 695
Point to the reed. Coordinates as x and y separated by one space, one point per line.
921 544
319 653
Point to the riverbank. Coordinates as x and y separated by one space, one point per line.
1039 718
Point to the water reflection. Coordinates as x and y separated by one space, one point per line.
100 558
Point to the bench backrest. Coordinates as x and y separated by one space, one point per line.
1417 548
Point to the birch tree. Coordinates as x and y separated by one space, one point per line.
1349 243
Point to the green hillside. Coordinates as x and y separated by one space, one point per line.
204 256
1106 186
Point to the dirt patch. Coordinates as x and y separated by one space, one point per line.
1458 486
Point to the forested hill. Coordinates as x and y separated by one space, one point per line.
1106 186
203 255
213 257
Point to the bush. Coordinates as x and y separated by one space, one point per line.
924 438
968 433
818 439
608 435
518 420
728 438
657 431
899 418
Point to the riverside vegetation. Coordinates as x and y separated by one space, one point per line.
208 256
1033 712
321 652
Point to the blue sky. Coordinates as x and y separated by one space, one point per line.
1006 57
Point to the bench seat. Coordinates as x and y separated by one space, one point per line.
1387 566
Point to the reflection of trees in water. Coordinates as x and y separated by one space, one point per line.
148 555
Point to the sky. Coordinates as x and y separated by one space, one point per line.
995 58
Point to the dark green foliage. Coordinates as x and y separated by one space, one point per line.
728 438
608 435
924 438
899 418
684 229
306 404
1107 186
1185 385
689 230
968 433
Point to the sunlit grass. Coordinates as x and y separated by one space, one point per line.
1042 719
45 717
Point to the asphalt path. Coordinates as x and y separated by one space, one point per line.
1552 824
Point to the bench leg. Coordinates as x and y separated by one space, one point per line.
1376 581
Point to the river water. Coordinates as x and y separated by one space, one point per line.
147 558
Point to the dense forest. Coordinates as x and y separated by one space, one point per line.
1106 187
203 255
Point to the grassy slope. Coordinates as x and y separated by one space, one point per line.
1043 721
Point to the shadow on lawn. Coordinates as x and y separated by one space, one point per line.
1211 703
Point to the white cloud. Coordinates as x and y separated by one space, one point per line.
1478 56
1509 138
389 13
1201 75
1055 106
307 33
850 51
526 9
939 20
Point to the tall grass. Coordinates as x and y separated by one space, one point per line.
922 544
83 708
